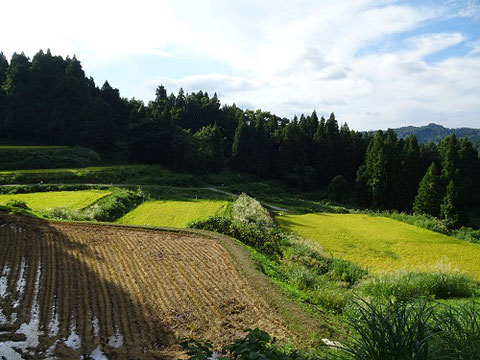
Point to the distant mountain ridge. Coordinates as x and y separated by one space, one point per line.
434 132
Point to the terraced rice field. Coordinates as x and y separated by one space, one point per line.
33 147
384 245
75 200
72 290
173 213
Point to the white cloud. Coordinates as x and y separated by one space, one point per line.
285 56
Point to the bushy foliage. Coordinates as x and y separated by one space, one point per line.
19 204
138 174
37 188
109 208
256 345
339 189
250 223
16 158
115 206
337 269
266 240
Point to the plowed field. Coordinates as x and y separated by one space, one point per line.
72 290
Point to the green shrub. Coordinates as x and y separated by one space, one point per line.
346 271
337 269
339 189
256 345
115 206
17 204
16 158
109 208
404 285
267 241
67 214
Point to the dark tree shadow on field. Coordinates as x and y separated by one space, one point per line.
73 287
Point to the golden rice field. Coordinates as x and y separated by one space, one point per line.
75 200
173 213
104 291
384 245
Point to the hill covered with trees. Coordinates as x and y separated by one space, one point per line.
434 132
49 100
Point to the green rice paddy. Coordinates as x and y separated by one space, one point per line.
75 200
384 245
173 213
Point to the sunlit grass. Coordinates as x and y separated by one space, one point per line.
384 245
173 213
75 200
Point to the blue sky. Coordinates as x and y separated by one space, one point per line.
375 63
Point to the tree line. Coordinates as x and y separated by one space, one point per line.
49 100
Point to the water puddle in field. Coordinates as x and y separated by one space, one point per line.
3 281
116 340
21 283
7 352
96 327
98 354
30 329
16 229
3 291
73 341
50 353
54 325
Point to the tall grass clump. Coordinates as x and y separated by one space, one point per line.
404 285
459 329
416 329
246 210
392 330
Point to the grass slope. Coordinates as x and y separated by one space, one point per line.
384 245
40 201
173 213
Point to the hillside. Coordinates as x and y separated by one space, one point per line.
435 133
